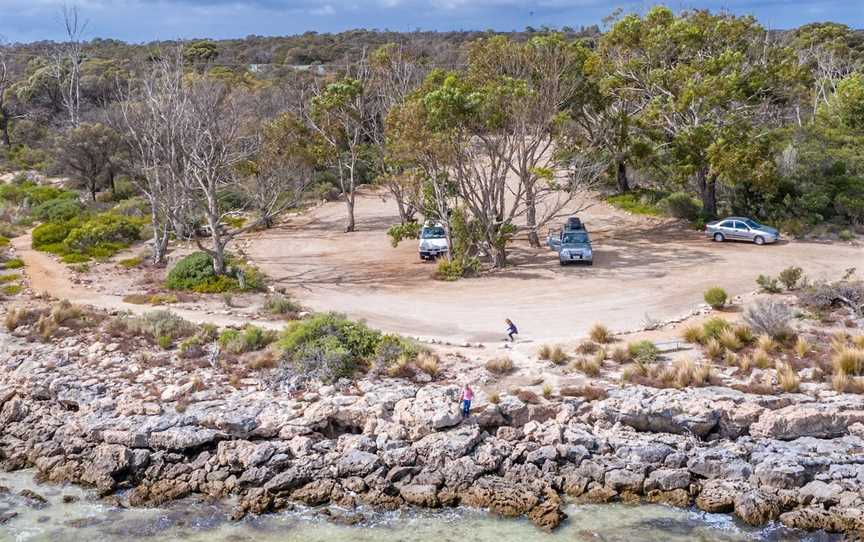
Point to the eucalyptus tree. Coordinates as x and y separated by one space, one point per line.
701 76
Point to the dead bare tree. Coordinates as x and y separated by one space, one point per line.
155 120
5 83
66 66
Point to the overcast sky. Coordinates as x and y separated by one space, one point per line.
145 20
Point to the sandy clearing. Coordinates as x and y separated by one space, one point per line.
643 269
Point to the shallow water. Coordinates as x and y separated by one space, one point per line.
90 519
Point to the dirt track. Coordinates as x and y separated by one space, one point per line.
643 269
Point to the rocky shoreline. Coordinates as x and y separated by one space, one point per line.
147 432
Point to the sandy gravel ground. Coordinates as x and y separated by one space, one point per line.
644 269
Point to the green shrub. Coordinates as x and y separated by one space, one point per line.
137 207
58 210
250 339
155 325
164 341
768 284
9 278
50 233
791 276
80 267
129 263
14 263
4 241
195 272
681 205
456 269
12 289
75 258
643 351
103 234
846 235
640 202
716 297
714 327
328 346
282 305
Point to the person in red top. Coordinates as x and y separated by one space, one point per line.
467 396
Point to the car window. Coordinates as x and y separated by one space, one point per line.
741 226
570 238
726 224
753 224
432 233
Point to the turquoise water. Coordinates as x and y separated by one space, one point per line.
89 519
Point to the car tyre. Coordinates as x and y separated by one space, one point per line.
759 240
590 262
718 237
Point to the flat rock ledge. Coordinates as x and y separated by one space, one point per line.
80 417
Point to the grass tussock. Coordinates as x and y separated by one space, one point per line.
588 366
558 356
802 348
429 363
600 334
587 347
714 349
544 352
787 378
500 366
587 392
620 355
848 360
547 391
730 340
766 343
693 334
282 305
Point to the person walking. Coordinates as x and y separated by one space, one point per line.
511 329
467 397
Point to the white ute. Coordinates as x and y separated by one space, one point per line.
433 241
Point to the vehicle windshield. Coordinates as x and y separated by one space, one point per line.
574 238
436 232
752 223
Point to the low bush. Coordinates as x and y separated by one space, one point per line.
154 325
328 346
600 334
58 210
849 361
12 289
500 366
195 272
713 327
791 277
715 297
49 233
249 339
823 295
640 202
129 263
9 277
75 258
681 205
846 235
768 284
643 351
103 234
769 317
282 305
14 263
456 269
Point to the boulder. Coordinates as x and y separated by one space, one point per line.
624 480
818 491
718 496
357 463
432 409
184 438
314 493
781 475
437 448
796 421
659 411
425 495
508 499
667 480
243 454
677 497
548 514
756 508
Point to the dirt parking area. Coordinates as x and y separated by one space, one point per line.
644 269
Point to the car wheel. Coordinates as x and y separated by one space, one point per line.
590 262
719 237
759 240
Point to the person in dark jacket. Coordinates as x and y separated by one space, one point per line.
511 329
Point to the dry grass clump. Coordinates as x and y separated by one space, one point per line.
558 356
688 373
634 371
766 343
787 377
600 355
848 360
620 355
802 348
744 334
547 391
587 392
757 386
682 373
401 368
544 352
730 340
264 359
858 341
730 358
761 359
587 347
713 327
600 334
644 351
693 334
589 366
500 366
21 316
714 348
429 363
495 397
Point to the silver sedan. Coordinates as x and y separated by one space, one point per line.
737 228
